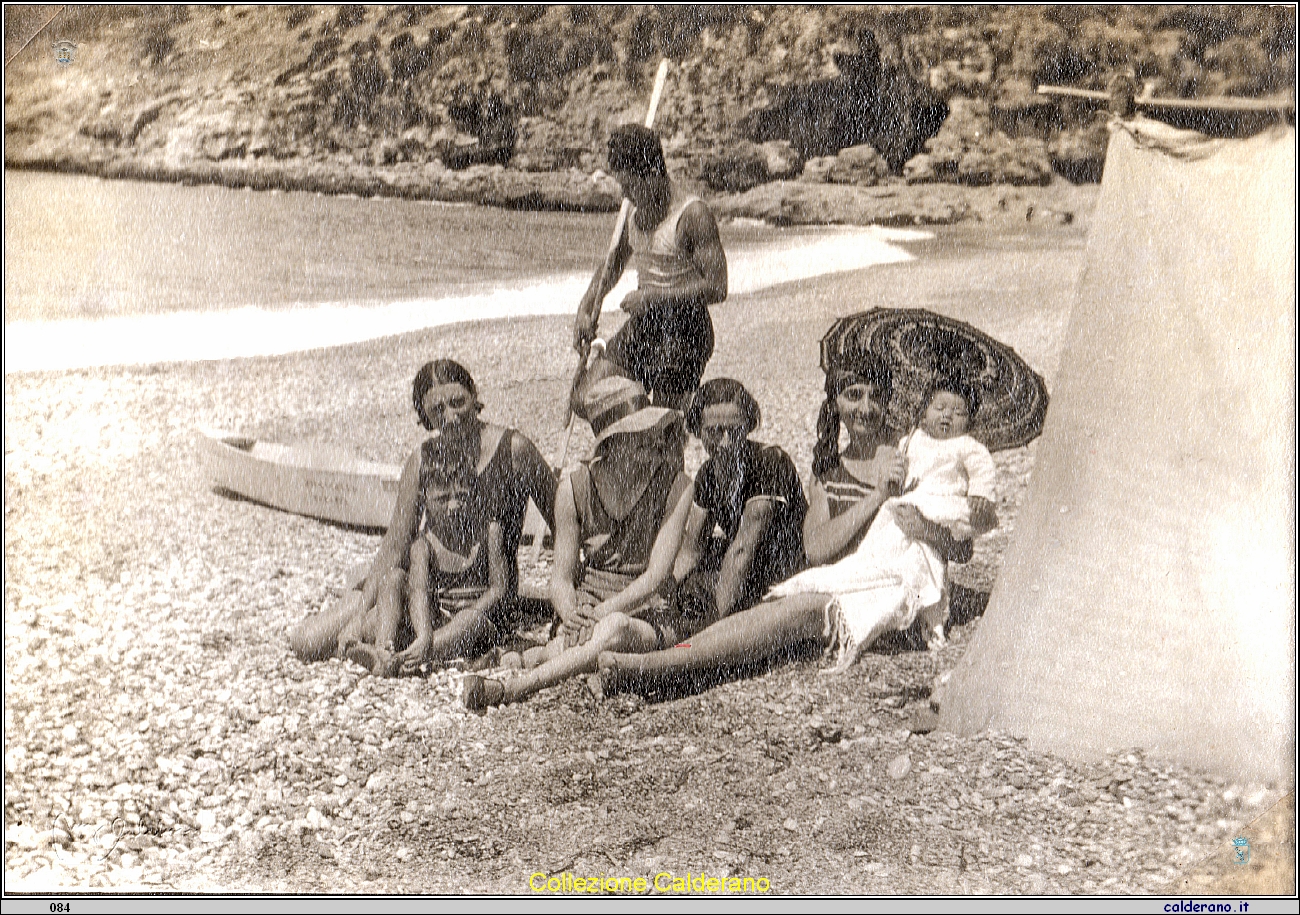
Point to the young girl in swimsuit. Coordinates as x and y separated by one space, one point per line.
455 566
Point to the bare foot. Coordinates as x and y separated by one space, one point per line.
379 662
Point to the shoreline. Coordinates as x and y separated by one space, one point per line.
349 310
782 203
195 331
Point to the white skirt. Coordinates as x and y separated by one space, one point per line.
881 586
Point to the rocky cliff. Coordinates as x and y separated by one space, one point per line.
511 104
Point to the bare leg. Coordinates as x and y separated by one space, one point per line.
753 635
615 632
316 637
935 619
388 608
466 635
417 589
536 657
374 650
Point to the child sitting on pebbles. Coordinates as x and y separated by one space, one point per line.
455 565
444 577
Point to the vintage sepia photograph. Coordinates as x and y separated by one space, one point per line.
669 451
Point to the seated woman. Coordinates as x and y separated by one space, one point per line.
619 520
748 490
890 578
847 491
454 537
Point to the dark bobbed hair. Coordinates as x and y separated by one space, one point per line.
636 150
953 385
439 371
865 368
721 390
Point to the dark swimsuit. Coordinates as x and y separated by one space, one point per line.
498 493
666 347
458 580
616 551
762 472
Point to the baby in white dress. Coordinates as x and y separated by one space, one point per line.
950 476
950 479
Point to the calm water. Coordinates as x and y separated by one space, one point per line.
104 272
88 248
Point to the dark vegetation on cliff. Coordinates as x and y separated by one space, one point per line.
758 93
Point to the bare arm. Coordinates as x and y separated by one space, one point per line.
537 476
417 607
739 559
688 558
393 548
917 526
983 515
697 235
667 543
825 538
605 278
564 596
983 474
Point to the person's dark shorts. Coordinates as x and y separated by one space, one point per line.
666 349
672 626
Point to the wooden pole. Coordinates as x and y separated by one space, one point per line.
1220 103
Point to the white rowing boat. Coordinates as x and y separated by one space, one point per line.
320 481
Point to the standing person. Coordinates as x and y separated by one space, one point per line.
489 472
751 493
681 271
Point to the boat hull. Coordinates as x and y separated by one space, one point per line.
319 481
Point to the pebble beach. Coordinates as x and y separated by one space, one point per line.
159 735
